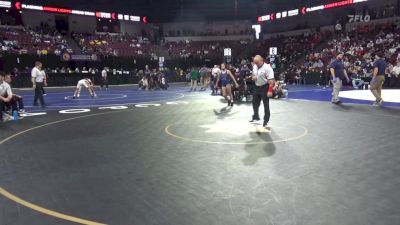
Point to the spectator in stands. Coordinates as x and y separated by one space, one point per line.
93 70
84 70
356 78
394 75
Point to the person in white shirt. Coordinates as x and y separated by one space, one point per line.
338 30
263 76
44 81
38 79
396 70
5 94
84 70
87 83
370 44
17 102
104 79
394 75
215 72
379 41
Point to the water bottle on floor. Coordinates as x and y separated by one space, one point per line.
15 115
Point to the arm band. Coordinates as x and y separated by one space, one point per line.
270 89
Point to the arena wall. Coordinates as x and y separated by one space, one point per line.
77 23
33 18
82 24
221 27
210 38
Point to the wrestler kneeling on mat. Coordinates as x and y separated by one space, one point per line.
87 83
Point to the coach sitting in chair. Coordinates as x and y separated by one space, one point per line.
17 102
5 94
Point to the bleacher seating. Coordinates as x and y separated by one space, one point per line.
21 40
204 49
117 45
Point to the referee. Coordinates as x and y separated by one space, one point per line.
263 76
37 83
104 79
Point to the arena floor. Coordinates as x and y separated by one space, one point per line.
178 158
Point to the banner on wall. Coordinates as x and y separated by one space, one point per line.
79 57
273 51
227 52
359 18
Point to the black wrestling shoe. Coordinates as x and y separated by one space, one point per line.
337 103
265 125
231 103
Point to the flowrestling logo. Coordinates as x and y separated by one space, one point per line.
359 18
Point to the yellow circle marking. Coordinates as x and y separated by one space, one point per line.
167 130
46 211
70 218
40 209
56 122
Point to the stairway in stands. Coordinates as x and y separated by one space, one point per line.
162 52
72 44
247 50
318 48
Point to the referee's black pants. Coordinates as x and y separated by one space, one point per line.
260 93
38 94
104 82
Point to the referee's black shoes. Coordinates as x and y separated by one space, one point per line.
255 121
337 103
